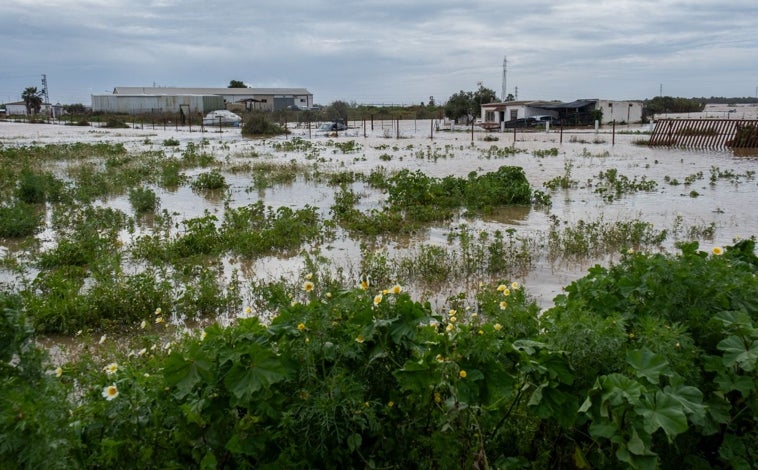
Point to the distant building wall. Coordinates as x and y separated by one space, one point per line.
146 104
620 111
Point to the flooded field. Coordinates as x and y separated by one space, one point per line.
600 186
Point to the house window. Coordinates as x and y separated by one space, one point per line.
302 100
489 116
514 114
264 100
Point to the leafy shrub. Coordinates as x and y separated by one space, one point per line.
171 142
19 220
143 200
114 123
210 180
258 124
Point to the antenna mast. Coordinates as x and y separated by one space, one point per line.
44 89
504 92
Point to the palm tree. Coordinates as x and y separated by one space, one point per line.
32 99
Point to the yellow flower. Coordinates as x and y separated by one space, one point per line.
452 312
452 319
474 316
449 327
158 311
110 392
385 291
630 251
378 299
501 287
159 320
717 250
307 339
514 285
328 295
396 289
308 286
300 326
391 404
111 368
143 325
462 374
203 334
58 371
503 305
506 292
437 397
248 311
498 327
439 358
481 332
309 276
359 339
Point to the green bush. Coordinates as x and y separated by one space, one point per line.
210 180
143 200
259 124
19 220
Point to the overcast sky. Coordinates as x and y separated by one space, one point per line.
383 51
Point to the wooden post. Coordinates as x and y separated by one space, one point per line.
613 133
431 129
561 141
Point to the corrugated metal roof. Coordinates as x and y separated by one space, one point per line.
125 90
572 105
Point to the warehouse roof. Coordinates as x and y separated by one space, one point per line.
126 90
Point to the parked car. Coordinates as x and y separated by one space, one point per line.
520 122
542 120
223 117
333 126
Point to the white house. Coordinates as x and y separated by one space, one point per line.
18 108
579 112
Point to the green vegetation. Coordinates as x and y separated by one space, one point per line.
624 371
260 124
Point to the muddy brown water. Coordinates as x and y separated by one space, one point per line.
730 203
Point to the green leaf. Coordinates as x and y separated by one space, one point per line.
606 430
737 351
664 412
691 400
263 370
647 364
417 376
354 441
183 374
209 462
618 389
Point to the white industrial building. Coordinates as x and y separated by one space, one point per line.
139 100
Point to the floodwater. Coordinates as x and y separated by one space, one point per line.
730 202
